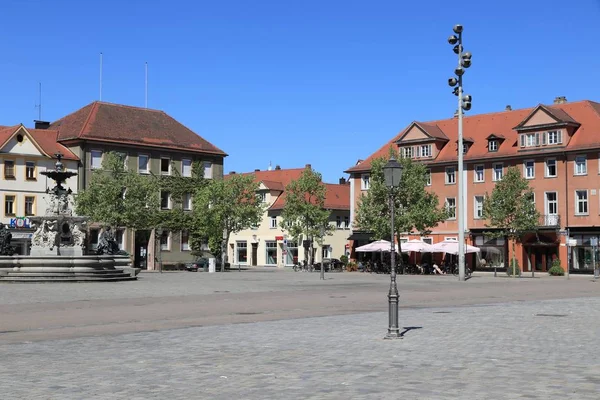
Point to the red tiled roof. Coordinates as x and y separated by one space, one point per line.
337 196
100 121
44 138
502 124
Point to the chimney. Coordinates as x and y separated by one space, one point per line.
232 173
277 168
257 170
342 181
560 100
508 108
308 166
41 124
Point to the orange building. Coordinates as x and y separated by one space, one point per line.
556 146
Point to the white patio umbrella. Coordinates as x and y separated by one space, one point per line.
416 245
380 245
450 246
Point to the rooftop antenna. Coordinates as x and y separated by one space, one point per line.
39 105
270 167
146 86
100 76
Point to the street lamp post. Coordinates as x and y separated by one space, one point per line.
464 103
322 232
392 172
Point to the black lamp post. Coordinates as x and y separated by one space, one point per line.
392 172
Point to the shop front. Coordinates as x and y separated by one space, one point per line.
493 253
540 251
582 253
21 231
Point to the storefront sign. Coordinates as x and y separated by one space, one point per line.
21 235
20 222
278 237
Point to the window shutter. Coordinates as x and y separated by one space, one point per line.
544 138
537 139
522 140
560 136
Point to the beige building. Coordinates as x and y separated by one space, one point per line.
268 245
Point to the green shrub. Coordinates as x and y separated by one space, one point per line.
351 266
344 260
514 268
556 269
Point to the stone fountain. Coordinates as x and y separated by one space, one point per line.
58 243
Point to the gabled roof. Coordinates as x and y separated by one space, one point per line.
558 114
43 139
429 129
337 196
585 115
115 123
492 136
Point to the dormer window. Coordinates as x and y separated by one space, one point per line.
541 138
553 137
493 145
425 150
407 152
465 148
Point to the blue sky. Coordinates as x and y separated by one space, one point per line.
291 83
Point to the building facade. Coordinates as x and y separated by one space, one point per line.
557 148
24 154
150 142
267 244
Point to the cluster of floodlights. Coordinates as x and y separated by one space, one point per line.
464 63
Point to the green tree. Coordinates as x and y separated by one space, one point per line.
119 197
510 209
304 213
416 209
223 207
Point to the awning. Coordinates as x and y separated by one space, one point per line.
358 235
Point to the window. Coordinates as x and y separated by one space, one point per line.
9 169
551 168
428 177
338 222
364 182
451 207
479 173
554 137
187 201
94 237
262 197
186 168
529 169
9 205
271 252
478 214
450 175
165 240
185 240
530 139
123 156
465 148
96 159
30 171
241 252
580 165
581 202
29 206
407 152
551 206
346 222
208 170
273 222
165 200
493 145
426 150
120 238
143 164
428 240
498 172
165 166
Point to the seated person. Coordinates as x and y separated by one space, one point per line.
437 270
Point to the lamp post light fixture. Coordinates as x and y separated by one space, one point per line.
392 172
464 104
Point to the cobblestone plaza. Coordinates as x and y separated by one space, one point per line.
284 335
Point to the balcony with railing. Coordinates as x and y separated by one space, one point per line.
549 221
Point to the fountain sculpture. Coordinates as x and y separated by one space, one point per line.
58 244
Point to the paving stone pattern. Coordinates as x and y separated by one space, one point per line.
520 350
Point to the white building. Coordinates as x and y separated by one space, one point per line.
24 154
268 245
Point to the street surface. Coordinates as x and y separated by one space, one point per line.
272 334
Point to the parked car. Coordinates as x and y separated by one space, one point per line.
202 263
330 263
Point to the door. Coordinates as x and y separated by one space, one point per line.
254 254
141 249
551 209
